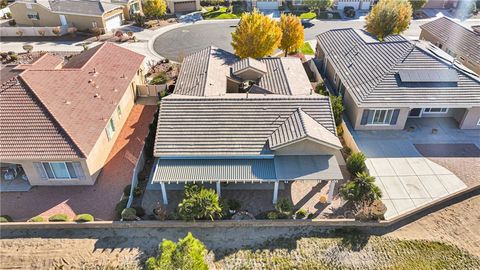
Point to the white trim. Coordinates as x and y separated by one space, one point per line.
385 122
275 192
219 191
164 193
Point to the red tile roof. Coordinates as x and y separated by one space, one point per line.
82 95
27 129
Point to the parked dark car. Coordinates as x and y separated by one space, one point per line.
349 11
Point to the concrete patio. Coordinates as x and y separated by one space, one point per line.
407 178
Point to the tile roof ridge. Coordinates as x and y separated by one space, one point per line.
101 46
52 116
284 73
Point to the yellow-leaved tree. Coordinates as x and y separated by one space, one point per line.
389 17
256 36
292 33
154 8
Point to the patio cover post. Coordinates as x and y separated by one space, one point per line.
275 192
164 193
331 188
219 192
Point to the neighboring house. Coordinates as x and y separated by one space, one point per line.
338 4
60 119
183 6
84 15
441 4
385 83
457 40
251 122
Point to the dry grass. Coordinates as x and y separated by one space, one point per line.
351 252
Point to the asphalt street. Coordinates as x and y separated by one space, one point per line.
178 43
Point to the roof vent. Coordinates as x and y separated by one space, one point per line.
97 95
67 102
115 90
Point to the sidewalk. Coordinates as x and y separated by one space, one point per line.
99 199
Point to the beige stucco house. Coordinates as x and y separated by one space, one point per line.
385 83
183 6
244 124
60 118
455 39
84 15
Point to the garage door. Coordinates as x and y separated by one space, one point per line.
185 7
113 22
272 4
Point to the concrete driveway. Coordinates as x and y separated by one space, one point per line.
407 183
407 178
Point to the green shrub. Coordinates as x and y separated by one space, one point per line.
120 206
137 191
272 215
129 214
301 214
362 190
199 203
356 163
284 205
161 78
36 219
337 108
140 211
322 89
188 254
58 218
84 218
339 131
347 150
5 218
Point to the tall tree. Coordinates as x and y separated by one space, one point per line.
417 4
315 5
389 17
256 36
154 8
293 33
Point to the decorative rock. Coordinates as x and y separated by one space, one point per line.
243 215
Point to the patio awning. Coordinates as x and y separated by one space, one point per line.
283 168
206 170
317 167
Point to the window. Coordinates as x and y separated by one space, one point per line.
29 5
119 111
33 16
110 129
94 24
59 170
478 123
435 110
381 117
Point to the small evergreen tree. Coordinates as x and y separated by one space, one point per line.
155 8
188 254
417 4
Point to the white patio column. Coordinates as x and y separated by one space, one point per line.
275 192
331 188
164 193
219 192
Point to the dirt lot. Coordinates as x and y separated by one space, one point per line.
456 224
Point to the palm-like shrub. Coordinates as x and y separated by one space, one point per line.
199 203
188 254
362 189
356 163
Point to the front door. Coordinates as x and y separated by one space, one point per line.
415 113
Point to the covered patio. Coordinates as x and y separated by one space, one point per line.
256 183
13 178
